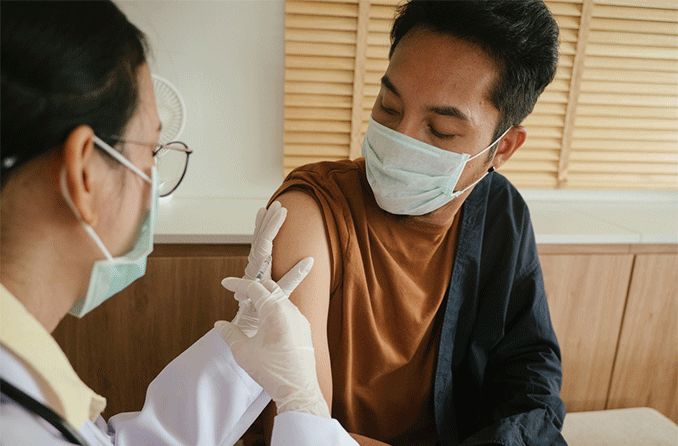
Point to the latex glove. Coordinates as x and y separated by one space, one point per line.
267 224
280 356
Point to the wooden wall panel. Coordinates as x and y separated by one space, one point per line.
121 346
646 369
586 295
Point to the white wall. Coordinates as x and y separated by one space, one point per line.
226 59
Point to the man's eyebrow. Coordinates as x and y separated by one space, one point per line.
386 82
450 111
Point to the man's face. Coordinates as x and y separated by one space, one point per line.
436 89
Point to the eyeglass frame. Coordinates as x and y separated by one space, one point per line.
156 149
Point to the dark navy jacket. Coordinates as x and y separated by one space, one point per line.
498 374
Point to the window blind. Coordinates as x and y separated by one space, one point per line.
608 120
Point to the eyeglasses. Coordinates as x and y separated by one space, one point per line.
171 160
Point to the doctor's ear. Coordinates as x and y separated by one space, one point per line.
508 145
78 150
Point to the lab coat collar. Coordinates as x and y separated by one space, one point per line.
27 339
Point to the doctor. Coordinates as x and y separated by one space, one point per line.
81 176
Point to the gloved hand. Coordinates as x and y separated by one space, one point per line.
280 356
266 227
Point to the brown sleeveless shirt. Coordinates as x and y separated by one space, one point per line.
389 278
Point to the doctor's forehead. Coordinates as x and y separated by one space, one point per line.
442 70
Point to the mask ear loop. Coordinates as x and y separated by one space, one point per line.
490 146
121 159
490 170
88 228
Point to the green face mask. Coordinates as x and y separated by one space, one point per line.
113 274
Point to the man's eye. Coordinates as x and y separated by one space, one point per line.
441 135
388 111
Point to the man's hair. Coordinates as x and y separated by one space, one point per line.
521 36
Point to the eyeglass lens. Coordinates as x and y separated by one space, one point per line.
171 162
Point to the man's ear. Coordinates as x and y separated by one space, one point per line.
508 145
78 150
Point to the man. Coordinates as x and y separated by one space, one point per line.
426 302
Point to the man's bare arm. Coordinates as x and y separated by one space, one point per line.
302 235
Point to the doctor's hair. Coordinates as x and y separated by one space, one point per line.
521 36
64 64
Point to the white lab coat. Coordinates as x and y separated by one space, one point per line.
201 398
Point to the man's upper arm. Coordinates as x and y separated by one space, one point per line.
302 235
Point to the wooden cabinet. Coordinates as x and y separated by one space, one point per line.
614 308
646 369
615 311
586 296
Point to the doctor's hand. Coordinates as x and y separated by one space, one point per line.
280 355
266 227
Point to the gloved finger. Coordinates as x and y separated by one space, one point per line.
231 334
237 285
262 243
292 278
263 293
270 214
263 217
259 220
270 230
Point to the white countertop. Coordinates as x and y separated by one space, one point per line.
559 217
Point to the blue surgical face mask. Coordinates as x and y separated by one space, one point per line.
113 274
410 177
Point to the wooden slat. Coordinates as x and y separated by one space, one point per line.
625 123
325 113
320 138
635 13
629 63
633 38
320 49
624 145
633 26
628 134
574 91
321 8
319 62
333 76
645 77
318 88
659 4
637 52
617 168
564 9
317 100
632 112
364 11
622 181
630 157
317 126
316 22
628 100
316 150
322 36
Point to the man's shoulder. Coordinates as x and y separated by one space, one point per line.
329 170
335 178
